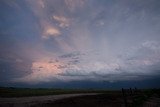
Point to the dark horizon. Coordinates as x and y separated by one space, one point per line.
147 84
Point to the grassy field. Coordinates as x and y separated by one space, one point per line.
24 92
113 98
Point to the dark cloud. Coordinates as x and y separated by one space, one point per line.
62 66
73 55
74 61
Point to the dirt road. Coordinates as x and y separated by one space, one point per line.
31 101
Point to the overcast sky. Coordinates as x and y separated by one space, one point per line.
63 41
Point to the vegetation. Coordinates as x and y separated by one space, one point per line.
128 97
24 92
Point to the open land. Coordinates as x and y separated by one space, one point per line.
25 97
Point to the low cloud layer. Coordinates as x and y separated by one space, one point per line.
137 63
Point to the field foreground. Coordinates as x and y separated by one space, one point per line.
76 98
36 100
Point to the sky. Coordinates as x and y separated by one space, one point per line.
80 43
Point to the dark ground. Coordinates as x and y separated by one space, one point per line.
87 101
145 98
125 98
